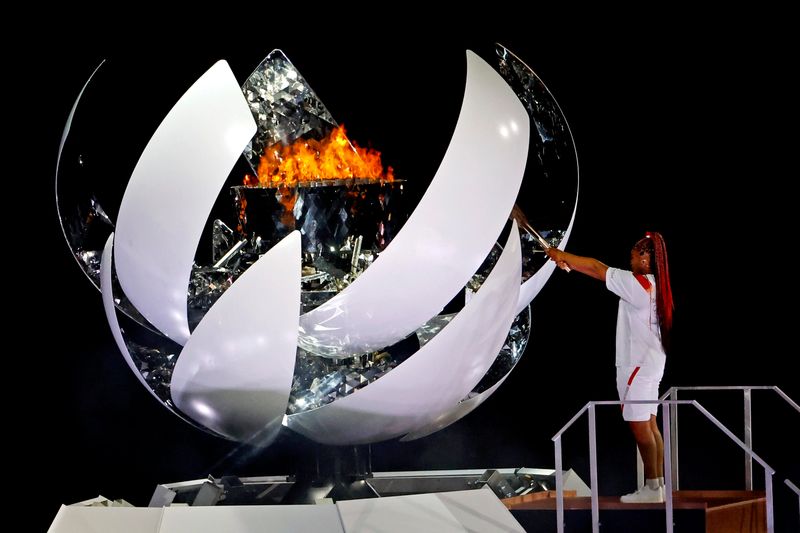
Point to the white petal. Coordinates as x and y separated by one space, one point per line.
448 235
170 195
435 378
235 373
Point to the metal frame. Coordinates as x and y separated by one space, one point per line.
672 394
668 463
794 489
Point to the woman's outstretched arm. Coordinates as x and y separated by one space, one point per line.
585 265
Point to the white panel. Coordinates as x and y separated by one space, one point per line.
171 192
104 519
460 410
456 413
447 236
106 288
235 373
480 510
435 378
529 290
252 519
420 513
527 293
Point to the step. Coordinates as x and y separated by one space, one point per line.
694 511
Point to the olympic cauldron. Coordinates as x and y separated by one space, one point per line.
332 307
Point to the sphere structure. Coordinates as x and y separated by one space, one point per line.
334 309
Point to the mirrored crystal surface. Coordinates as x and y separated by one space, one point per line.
533 257
344 225
284 106
432 327
222 240
549 189
320 380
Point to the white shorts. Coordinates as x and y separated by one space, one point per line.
638 383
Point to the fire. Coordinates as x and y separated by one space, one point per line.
331 158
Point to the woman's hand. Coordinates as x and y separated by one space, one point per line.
559 257
554 254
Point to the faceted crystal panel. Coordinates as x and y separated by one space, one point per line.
320 380
344 225
284 106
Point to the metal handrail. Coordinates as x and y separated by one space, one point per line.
672 394
794 489
667 410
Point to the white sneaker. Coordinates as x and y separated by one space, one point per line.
644 495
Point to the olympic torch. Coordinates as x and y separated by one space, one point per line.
522 221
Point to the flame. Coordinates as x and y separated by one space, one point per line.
331 158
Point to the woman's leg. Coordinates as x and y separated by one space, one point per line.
648 446
659 446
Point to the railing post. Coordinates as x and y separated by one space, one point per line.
768 488
639 469
667 409
593 470
748 439
559 489
673 441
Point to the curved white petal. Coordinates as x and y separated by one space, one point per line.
447 236
454 414
106 288
432 380
170 195
235 373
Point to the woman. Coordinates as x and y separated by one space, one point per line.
644 320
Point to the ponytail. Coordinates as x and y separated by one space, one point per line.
664 304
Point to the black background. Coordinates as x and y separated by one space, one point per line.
678 123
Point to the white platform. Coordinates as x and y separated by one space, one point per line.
443 512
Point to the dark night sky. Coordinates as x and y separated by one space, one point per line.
675 129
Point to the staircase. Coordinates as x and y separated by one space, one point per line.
738 511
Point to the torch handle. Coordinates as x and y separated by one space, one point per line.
524 224
543 243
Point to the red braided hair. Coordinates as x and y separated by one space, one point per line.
654 243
